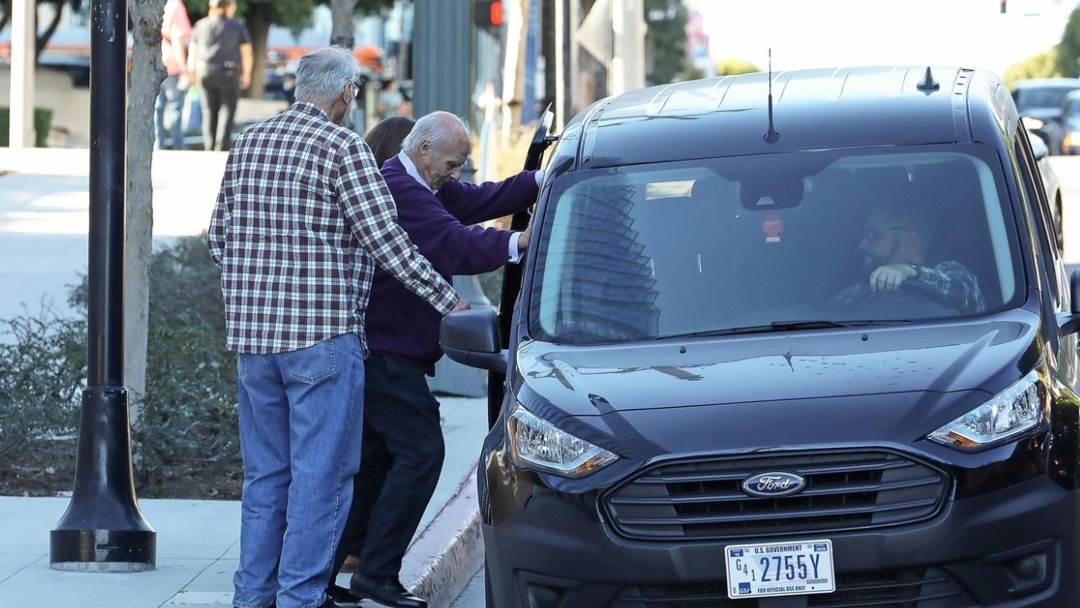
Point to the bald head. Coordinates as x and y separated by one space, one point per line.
439 146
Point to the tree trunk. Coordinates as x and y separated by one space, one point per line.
147 72
5 13
259 27
343 29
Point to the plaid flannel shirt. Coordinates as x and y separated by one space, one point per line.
948 283
301 215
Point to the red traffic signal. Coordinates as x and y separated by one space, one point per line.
489 13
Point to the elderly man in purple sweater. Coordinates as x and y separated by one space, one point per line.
402 439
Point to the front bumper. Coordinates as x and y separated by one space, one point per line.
1008 548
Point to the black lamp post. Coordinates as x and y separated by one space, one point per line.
103 529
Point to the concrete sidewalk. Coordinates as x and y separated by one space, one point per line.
44 215
198 541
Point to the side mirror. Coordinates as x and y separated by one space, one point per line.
471 337
1070 324
1038 147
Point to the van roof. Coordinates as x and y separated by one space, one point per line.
812 109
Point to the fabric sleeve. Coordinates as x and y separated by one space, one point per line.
372 215
473 203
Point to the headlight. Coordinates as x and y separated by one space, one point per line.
1071 139
537 444
1018 408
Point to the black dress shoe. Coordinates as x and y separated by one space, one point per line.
388 592
341 597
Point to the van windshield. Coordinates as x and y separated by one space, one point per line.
782 241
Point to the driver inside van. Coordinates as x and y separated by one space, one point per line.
896 246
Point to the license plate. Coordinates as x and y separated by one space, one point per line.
773 569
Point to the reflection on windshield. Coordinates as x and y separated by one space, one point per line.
783 243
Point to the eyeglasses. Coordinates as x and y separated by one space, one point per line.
873 233
357 85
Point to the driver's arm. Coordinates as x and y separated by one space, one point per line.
951 284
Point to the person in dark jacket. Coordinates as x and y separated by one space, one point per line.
402 451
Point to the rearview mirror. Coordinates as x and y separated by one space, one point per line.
471 337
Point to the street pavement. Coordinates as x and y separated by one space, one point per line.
473 596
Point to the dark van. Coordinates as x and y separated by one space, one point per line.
813 348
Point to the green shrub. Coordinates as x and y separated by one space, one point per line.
1039 65
186 442
730 67
42 371
42 124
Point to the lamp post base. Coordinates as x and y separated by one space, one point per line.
103 550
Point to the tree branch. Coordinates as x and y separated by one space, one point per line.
44 39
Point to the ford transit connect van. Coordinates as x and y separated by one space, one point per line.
808 349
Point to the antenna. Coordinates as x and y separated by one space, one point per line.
772 136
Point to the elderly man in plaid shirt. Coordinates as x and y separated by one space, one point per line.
302 217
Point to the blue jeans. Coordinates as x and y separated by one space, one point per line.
301 417
170 98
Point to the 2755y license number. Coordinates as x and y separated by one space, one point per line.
774 569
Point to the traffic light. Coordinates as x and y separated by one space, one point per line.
1003 7
488 13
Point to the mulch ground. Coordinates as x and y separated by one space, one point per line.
47 468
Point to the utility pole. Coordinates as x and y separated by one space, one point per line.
23 43
103 529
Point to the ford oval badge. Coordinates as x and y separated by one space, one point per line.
774 484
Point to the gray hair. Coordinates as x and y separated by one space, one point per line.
322 74
435 128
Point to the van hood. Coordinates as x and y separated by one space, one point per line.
984 355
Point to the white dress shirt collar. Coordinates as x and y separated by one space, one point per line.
410 168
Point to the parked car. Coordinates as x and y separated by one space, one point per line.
684 410
1051 185
1070 124
1040 100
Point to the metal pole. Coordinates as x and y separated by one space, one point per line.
23 42
103 529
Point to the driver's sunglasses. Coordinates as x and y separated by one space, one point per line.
873 233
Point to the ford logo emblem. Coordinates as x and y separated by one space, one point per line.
774 484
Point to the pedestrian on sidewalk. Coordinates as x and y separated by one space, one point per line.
169 108
402 439
301 219
221 58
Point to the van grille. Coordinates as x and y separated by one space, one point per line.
915 588
704 499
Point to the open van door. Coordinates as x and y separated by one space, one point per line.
512 273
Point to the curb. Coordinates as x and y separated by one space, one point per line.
444 557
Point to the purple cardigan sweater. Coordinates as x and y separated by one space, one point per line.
397 321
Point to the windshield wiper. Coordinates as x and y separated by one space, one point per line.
788 326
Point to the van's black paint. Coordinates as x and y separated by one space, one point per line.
1006 534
